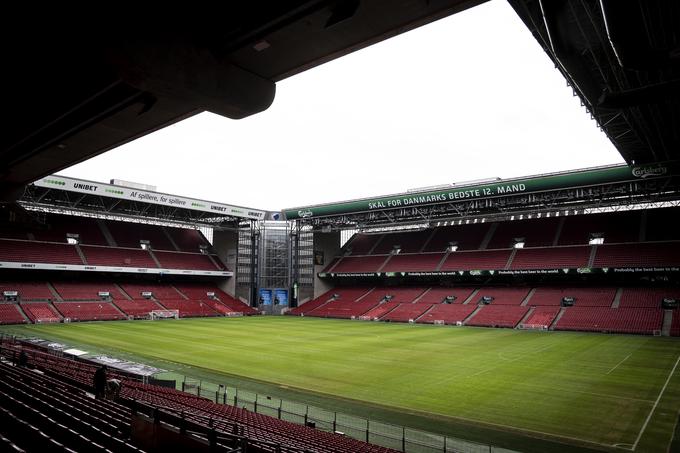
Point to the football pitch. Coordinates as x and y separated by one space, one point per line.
602 392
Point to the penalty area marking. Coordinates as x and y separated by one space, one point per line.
649 417
617 365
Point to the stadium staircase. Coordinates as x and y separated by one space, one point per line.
668 316
81 254
472 315
617 298
527 316
557 318
526 300
110 241
54 292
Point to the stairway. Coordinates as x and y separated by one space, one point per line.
617 298
472 315
525 317
471 297
557 318
170 239
107 234
81 254
54 292
525 302
667 322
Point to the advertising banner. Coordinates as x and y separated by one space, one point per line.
133 194
515 186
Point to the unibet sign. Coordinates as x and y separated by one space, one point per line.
126 193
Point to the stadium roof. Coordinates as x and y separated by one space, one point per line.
60 193
598 187
78 87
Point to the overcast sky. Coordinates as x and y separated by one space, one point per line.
470 96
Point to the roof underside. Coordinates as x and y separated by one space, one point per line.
76 86
622 59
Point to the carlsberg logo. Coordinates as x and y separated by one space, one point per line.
645 172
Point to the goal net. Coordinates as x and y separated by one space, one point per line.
163 314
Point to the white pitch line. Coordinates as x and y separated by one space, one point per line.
617 365
649 417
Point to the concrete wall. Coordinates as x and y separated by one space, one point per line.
329 244
225 244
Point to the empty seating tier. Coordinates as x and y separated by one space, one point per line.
498 316
406 312
28 290
116 257
40 312
582 297
88 311
86 290
654 254
501 296
481 260
38 252
541 318
647 297
426 262
619 320
11 314
179 260
551 258
447 314
352 264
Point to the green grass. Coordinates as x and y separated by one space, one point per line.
496 385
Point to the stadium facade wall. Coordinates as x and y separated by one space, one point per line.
225 244
327 244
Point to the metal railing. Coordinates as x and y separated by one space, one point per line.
397 437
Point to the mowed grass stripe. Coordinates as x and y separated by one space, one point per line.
566 384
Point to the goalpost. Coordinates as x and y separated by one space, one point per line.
163 314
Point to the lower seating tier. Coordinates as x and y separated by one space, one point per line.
618 320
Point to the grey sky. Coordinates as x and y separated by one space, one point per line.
468 97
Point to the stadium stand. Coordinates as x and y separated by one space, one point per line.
52 406
159 291
10 313
138 309
89 311
592 297
541 318
28 290
128 234
614 227
406 312
59 226
183 260
647 297
438 295
466 237
476 260
413 262
189 308
38 252
186 239
617 320
502 296
360 263
40 312
86 290
380 310
199 291
498 316
407 242
447 313
654 254
109 256
551 258
534 232
675 324
361 244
